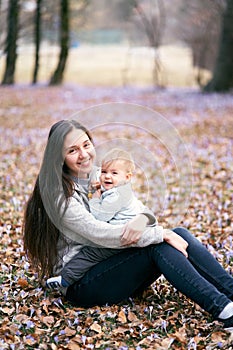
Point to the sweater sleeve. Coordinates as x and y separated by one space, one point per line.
80 226
106 207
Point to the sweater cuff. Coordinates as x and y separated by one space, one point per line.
159 233
152 219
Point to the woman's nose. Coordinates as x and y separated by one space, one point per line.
82 153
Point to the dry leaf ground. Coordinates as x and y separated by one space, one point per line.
32 318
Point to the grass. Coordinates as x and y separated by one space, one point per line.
110 65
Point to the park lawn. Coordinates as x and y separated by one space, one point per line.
109 65
161 318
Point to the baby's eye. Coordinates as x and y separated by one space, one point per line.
115 173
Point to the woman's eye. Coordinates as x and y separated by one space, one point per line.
87 145
71 151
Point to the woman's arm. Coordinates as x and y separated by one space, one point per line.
80 226
132 232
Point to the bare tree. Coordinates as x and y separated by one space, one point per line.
2 25
37 38
57 76
200 24
153 20
11 42
223 72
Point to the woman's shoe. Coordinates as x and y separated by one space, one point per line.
227 323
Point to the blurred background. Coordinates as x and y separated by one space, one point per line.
159 43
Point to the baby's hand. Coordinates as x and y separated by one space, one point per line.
96 194
95 185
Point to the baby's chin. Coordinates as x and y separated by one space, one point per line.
108 187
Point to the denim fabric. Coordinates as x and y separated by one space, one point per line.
200 277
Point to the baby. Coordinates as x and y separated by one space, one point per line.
115 201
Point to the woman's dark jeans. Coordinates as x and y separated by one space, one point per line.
200 277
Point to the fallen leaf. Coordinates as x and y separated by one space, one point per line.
23 283
48 320
7 310
122 317
217 336
131 316
96 327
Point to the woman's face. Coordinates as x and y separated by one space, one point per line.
79 153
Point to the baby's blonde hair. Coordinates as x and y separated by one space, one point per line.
119 154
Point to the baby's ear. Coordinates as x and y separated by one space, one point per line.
129 176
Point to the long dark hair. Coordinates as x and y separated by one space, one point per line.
42 212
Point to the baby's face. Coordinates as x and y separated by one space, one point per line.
114 174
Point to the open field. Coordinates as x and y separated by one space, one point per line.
110 65
33 318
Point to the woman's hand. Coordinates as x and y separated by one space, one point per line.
133 230
176 241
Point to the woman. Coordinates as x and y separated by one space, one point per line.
58 224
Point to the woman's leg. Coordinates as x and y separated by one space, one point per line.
114 279
118 277
184 276
206 264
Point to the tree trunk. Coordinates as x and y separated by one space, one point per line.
57 76
223 73
11 42
37 37
154 24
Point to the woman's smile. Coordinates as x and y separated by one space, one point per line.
84 162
